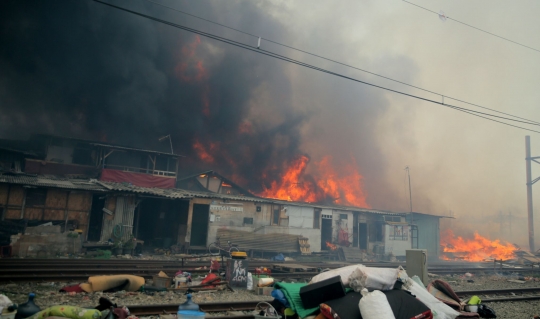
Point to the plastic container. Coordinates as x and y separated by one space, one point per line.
28 308
188 305
180 281
190 314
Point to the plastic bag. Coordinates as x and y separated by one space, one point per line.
5 301
249 281
374 305
343 272
486 312
438 308
373 278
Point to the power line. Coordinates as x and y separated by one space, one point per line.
471 26
344 64
287 59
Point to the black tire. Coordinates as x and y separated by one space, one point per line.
213 249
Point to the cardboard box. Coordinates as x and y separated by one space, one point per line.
264 291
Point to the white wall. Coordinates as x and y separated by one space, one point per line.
396 247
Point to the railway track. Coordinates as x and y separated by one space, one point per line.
499 296
21 270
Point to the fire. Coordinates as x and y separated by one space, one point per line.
203 154
477 249
191 69
325 183
331 246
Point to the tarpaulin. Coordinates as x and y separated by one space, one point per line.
137 179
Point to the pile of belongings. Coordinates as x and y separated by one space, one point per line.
360 292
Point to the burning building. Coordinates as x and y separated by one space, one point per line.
111 191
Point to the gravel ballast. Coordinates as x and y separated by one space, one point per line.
47 295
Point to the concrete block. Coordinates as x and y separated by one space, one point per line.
264 291
44 230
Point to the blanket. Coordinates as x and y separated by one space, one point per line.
120 282
292 293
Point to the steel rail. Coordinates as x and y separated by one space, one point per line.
142 310
497 291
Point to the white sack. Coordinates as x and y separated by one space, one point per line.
249 281
344 272
439 309
5 301
374 305
373 278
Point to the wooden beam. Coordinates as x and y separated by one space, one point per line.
189 221
23 203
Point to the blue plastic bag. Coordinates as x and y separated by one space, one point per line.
279 296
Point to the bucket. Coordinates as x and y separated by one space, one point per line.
190 314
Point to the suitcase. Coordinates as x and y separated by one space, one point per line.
315 294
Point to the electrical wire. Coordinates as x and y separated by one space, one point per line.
344 64
287 59
471 26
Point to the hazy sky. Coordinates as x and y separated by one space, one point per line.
87 70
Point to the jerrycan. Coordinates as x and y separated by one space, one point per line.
28 308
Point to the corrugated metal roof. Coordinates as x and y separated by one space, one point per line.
50 181
172 192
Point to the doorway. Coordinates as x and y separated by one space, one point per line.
362 236
326 232
199 225
96 218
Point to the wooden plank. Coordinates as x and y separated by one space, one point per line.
56 198
13 214
53 214
33 213
3 194
16 196
80 201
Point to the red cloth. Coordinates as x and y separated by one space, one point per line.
211 278
73 288
137 179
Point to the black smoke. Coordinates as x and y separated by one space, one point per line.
82 69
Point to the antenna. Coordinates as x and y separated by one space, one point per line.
170 141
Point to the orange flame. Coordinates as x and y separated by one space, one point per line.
203 154
191 70
331 246
295 185
477 249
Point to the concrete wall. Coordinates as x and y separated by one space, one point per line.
59 205
45 245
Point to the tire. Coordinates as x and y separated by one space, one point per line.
213 249
232 249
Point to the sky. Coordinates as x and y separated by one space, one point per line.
87 70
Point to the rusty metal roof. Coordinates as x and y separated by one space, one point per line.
50 181
172 192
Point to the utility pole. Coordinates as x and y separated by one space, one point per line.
413 228
530 182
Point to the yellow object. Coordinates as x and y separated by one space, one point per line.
67 312
239 254
79 231
124 282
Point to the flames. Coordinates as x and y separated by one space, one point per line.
477 249
324 183
191 69
331 246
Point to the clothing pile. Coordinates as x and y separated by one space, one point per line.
361 292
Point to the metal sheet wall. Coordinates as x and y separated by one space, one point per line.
123 216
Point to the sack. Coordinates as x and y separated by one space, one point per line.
249 281
343 272
373 278
374 305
